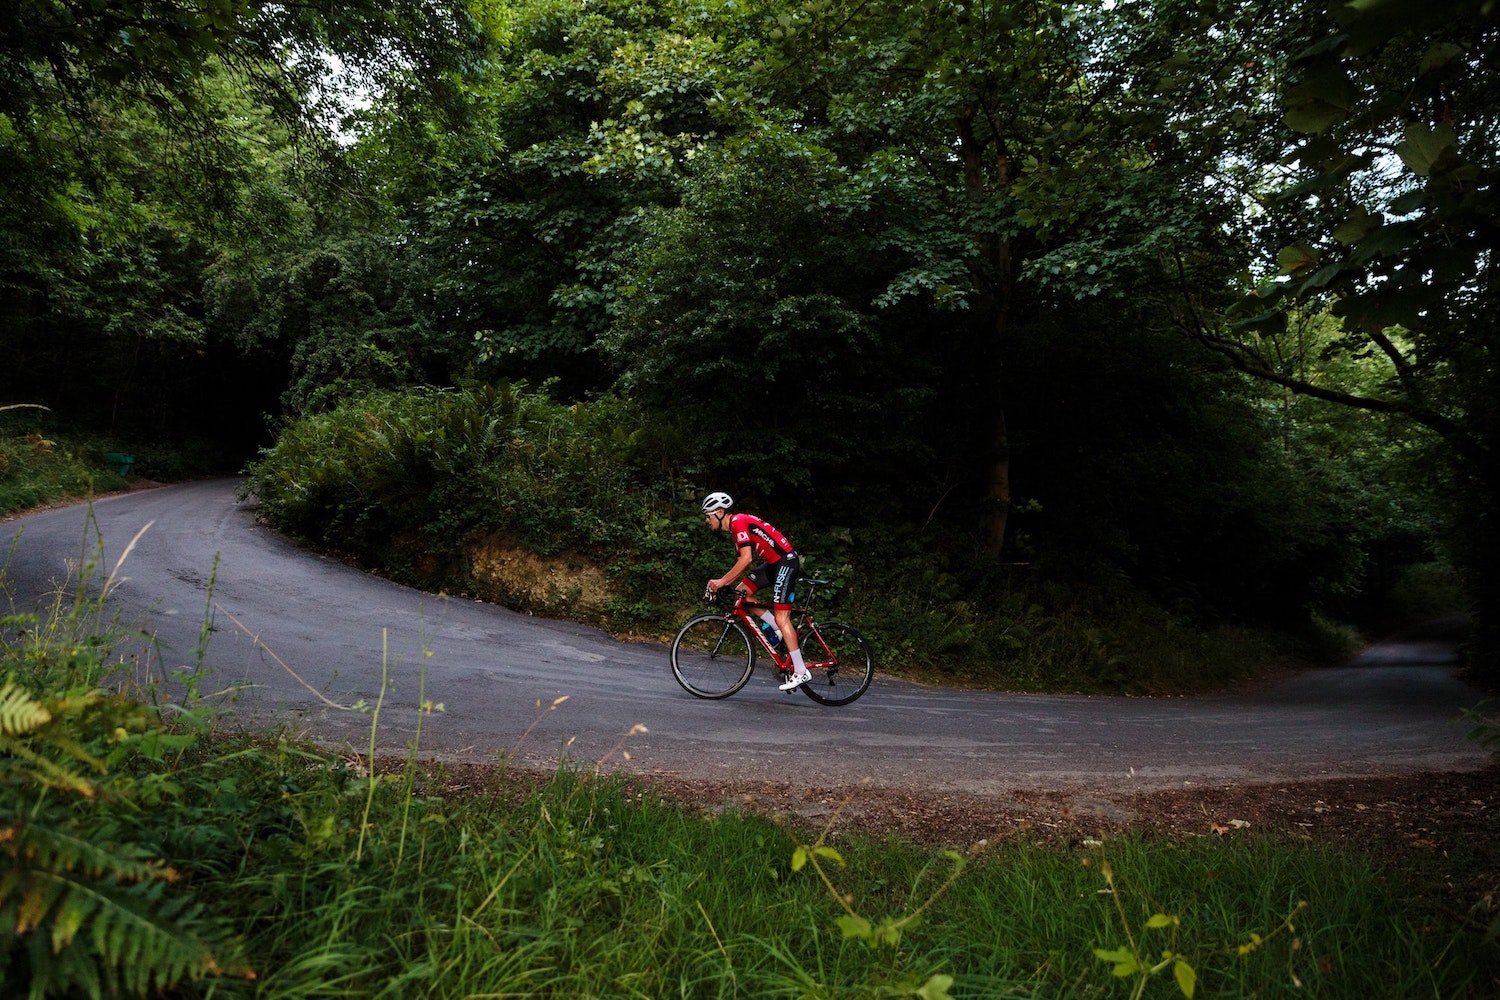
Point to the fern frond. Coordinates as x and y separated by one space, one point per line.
52 848
106 917
83 911
60 736
42 770
49 887
38 735
20 712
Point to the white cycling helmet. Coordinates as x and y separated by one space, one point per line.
717 501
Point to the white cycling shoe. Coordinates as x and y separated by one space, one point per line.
797 680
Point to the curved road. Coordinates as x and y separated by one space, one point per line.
277 610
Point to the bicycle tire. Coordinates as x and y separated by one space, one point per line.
841 662
712 657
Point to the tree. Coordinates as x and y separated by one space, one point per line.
997 166
580 116
1398 114
746 315
101 284
297 59
139 139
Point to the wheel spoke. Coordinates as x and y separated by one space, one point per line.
840 661
712 656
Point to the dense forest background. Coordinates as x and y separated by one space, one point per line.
1046 327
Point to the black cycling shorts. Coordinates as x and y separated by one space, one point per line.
780 576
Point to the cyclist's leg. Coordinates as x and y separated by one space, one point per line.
753 582
786 578
783 583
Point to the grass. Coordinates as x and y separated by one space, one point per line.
251 865
584 887
38 469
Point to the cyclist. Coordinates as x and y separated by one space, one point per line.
778 570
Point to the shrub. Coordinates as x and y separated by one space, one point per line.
90 905
412 482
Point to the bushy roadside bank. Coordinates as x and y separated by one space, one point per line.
43 461
39 467
590 511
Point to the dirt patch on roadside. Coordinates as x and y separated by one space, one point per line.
564 584
1403 817
1410 814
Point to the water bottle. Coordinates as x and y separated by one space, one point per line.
772 636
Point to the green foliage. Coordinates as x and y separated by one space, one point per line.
832 263
143 145
838 265
44 460
88 906
1130 960
408 480
886 934
102 297
998 301
38 465
578 117
709 309
413 482
340 306
1425 592
1484 727
71 56
1390 114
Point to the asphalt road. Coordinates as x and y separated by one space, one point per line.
300 637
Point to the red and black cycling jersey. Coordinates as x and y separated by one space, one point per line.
770 544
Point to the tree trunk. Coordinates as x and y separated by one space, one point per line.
999 495
992 280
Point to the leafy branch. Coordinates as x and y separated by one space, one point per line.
1485 727
1128 959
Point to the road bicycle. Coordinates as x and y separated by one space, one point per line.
714 653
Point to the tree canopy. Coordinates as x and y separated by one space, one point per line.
1190 292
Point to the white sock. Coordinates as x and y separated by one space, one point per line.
797 664
770 619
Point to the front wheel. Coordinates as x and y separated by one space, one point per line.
840 660
712 657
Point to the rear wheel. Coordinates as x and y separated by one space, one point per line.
840 660
712 657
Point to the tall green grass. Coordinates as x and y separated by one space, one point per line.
147 848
